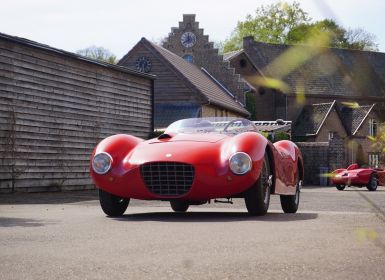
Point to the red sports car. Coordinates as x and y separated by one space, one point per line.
355 176
195 161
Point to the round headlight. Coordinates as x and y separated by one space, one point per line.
101 163
240 163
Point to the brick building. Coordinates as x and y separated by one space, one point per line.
324 91
183 89
309 75
326 121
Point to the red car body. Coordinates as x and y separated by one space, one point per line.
204 157
356 176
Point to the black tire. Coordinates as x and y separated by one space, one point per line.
340 187
112 205
179 205
372 185
290 203
257 197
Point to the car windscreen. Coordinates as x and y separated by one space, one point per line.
211 125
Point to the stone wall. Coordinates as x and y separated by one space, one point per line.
322 158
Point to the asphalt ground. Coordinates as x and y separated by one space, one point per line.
334 235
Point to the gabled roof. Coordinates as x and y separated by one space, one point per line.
339 72
311 119
229 55
197 79
354 117
43 47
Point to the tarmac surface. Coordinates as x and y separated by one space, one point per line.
334 235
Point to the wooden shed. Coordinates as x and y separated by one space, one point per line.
55 106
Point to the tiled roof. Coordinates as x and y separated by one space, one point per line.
313 116
353 117
331 71
212 92
311 119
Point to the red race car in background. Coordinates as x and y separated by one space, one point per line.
356 176
197 160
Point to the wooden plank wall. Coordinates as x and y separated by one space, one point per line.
54 109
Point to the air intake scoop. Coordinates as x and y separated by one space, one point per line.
165 136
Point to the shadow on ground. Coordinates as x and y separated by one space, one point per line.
20 222
214 217
49 197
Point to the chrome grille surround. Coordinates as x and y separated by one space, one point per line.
168 178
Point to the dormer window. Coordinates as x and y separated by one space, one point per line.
372 127
331 135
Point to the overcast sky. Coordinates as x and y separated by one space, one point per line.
119 24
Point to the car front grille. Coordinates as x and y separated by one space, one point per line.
168 178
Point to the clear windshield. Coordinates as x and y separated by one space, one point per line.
211 125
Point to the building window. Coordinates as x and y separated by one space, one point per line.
188 58
331 135
374 159
243 63
372 127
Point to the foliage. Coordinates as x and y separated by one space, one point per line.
251 103
338 36
284 23
98 53
281 136
155 133
378 141
270 24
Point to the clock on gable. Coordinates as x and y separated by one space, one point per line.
143 64
188 39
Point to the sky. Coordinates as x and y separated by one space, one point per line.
119 24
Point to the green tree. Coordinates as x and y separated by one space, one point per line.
270 24
283 23
338 36
98 53
334 32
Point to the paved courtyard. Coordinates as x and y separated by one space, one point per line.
335 235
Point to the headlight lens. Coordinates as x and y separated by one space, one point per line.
240 163
101 163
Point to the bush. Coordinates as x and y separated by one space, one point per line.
155 133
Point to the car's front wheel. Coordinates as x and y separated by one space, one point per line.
290 203
179 205
340 187
372 185
112 205
257 198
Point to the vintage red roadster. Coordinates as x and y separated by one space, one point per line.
195 161
356 176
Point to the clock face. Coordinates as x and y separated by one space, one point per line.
143 64
188 39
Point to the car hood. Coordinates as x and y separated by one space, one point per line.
188 149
